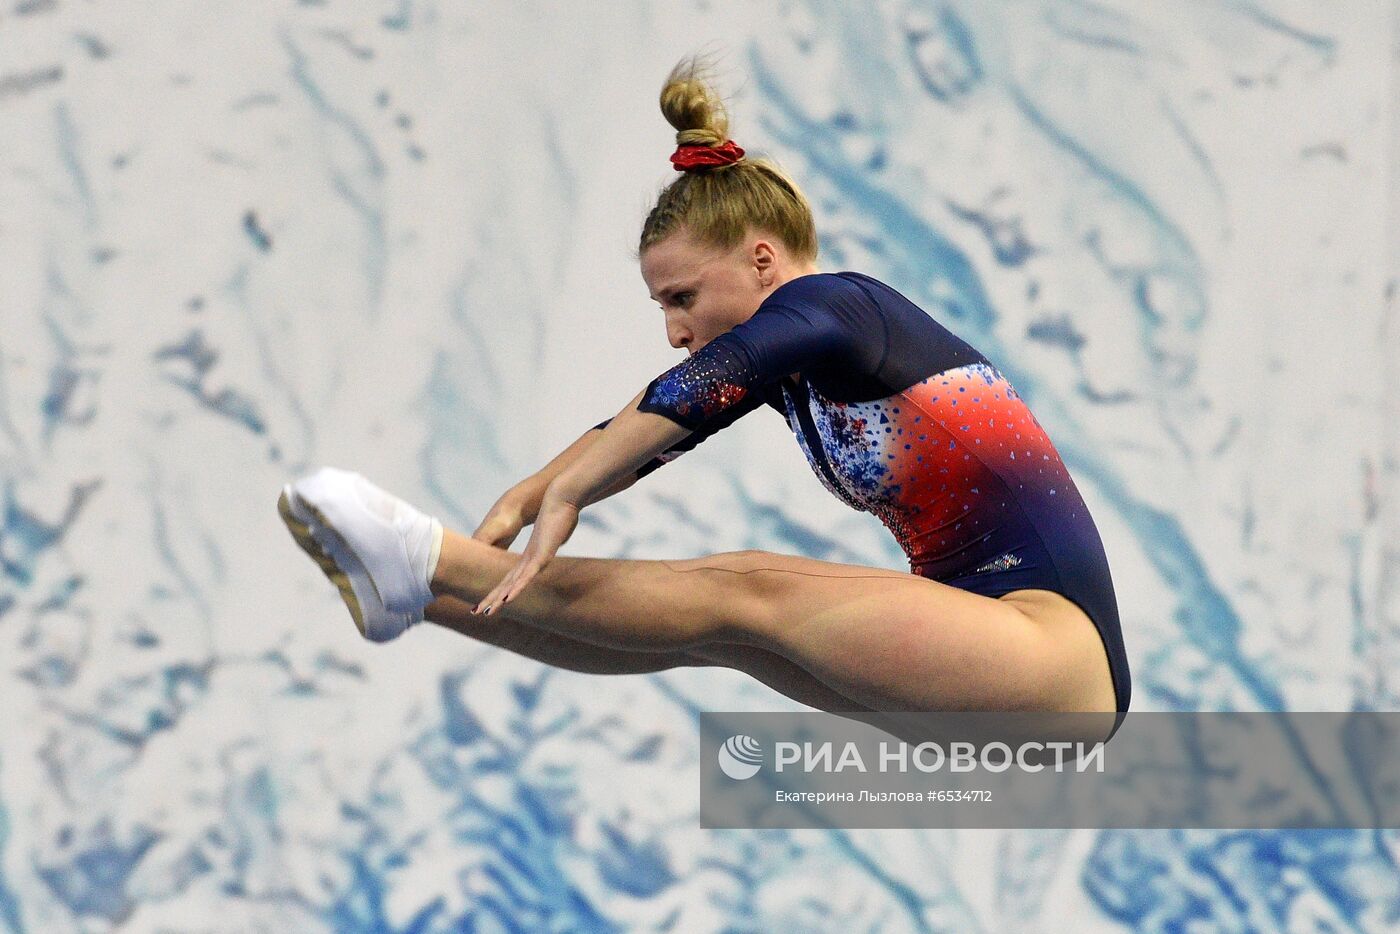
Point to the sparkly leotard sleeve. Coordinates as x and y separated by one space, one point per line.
779 339
722 420
738 371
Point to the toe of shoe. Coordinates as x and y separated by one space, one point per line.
376 622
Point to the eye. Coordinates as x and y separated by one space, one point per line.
677 299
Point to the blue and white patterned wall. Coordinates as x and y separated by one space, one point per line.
239 240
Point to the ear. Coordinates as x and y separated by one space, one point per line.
764 259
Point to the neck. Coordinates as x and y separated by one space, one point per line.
809 270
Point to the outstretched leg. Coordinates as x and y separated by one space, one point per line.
883 639
370 523
769 668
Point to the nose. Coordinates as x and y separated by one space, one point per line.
678 336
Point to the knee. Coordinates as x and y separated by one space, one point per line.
743 561
748 598
763 578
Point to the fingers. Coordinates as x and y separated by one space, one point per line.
509 585
552 528
495 532
496 539
513 583
497 594
484 531
489 601
482 609
500 593
522 579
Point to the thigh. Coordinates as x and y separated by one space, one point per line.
895 641
777 672
791 680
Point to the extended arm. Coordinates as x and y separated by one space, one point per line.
633 440
708 390
520 505
528 492
609 460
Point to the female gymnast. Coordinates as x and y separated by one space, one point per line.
1008 605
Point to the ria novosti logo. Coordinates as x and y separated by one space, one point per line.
740 757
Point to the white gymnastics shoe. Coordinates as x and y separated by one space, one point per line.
379 551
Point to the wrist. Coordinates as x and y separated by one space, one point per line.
562 492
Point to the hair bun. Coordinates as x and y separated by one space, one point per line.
700 136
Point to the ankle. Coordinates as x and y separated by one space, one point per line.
458 571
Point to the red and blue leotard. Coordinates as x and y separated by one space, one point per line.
901 418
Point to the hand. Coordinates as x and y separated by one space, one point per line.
503 521
555 523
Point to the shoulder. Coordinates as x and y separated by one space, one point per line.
847 301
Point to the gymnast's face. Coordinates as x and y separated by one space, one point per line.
705 291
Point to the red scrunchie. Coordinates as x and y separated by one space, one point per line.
689 157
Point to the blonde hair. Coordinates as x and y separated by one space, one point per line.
719 205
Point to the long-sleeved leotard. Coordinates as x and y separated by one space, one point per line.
901 418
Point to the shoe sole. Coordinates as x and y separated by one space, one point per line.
302 534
